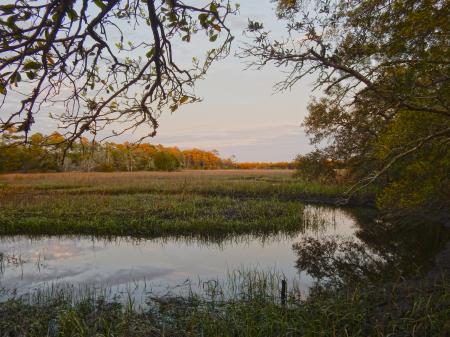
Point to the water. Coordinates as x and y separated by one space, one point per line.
124 264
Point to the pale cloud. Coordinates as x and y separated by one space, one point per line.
277 142
204 137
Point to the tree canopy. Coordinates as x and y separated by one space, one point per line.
99 62
384 71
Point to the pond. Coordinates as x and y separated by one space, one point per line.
127 265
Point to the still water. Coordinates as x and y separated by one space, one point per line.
121 264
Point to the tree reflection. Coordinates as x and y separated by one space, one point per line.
385 249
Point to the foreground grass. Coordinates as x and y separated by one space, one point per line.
156 204
404 309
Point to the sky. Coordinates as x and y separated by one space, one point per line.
240 115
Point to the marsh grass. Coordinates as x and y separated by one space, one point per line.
143 215
253 309
146 204
229 183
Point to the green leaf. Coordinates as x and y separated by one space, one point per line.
32 65
150 53
113 106
213 7
12 19
3 90
31 75
184 99
16 78
72 15
55 17
203 17
213 38
100 4
172 17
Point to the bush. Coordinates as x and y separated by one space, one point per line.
315 166
165 161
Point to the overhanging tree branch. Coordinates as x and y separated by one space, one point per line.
79 57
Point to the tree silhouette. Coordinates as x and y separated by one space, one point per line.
80 54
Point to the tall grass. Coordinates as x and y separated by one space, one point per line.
404 309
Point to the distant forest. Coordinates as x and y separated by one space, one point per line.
43 153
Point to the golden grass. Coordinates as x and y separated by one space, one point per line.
138 177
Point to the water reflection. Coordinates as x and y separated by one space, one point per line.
381 250
163 262
28 263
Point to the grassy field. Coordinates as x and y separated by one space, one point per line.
151 204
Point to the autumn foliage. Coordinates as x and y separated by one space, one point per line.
49 153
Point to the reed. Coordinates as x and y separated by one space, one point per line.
253 309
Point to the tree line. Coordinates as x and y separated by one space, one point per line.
49 153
